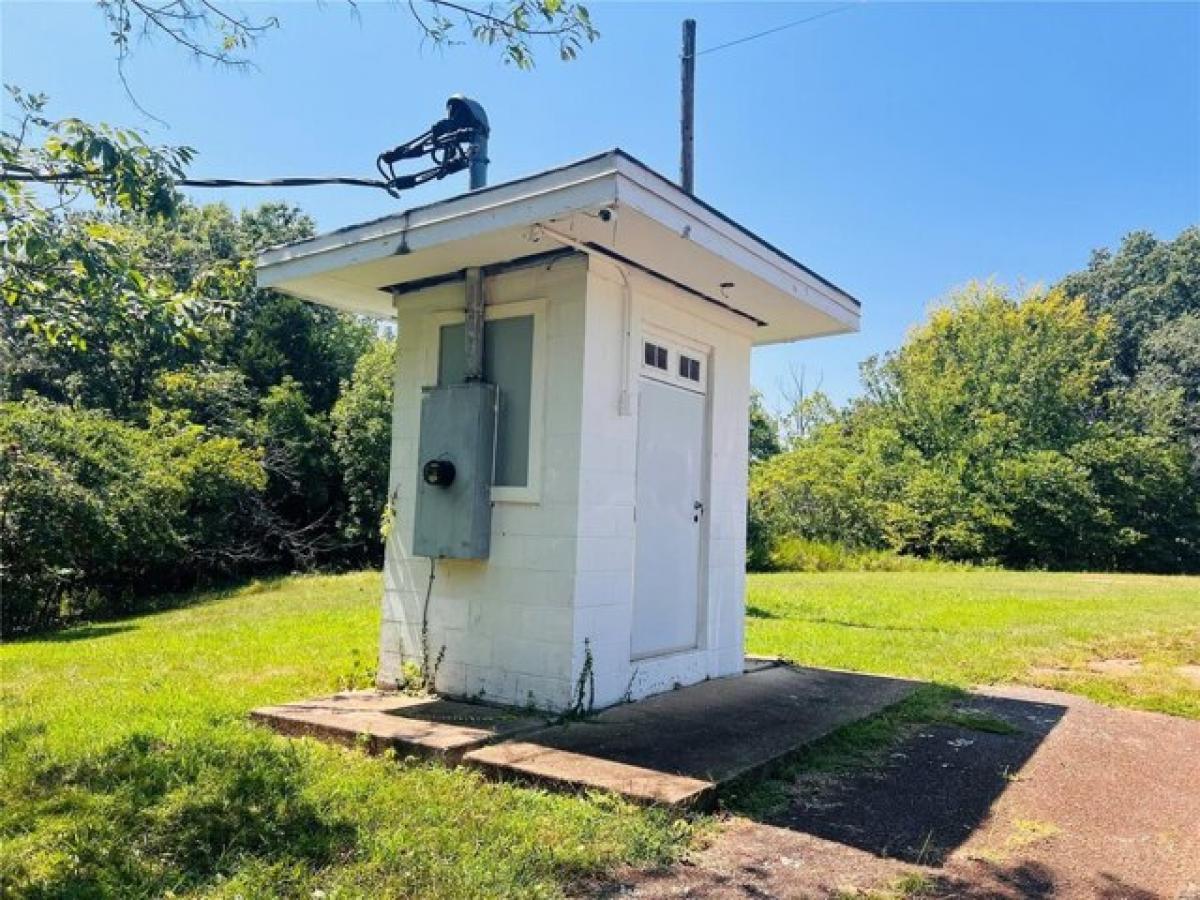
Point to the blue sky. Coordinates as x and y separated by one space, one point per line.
899 149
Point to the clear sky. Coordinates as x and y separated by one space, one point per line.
899 149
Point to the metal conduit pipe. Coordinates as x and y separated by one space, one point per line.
464 109
473 326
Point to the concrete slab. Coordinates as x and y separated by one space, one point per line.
421 726
674 749
699 737
531 762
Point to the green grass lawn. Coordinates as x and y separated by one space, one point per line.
979 627
127 769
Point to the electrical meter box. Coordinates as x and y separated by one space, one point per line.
454 478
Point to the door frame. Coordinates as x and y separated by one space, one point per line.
674 341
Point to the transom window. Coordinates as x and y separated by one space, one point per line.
674 362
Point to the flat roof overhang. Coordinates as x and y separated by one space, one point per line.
650 224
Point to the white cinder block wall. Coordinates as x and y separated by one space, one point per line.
607 488
505 622
561 566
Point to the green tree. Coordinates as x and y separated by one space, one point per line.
1143 287
303 487
282 337
764 431
60 270
214 396
1169 377
121 351
998 431
362 431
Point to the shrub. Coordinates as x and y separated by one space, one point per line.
92 508
216 397
302 484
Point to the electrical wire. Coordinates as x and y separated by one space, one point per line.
282 182
778 28
447 144
7 174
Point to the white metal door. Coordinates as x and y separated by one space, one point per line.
670 455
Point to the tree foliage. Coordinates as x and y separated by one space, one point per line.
764 433
62 271
92 509
262 378
1013 430
1151 290
362 438
1146 286
222 34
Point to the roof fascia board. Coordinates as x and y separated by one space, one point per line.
551 194
663 186
527 210
719 238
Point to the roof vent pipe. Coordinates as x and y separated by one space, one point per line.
468 114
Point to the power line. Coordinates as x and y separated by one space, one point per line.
299 181
281 182
778 28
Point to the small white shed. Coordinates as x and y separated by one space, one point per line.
620 315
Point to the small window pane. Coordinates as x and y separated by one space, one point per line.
689 368
654 355
508 364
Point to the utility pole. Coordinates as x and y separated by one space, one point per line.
687 107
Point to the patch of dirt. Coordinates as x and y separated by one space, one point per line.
1115 666
1083 802
1191 673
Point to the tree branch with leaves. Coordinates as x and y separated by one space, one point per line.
64 256
214 32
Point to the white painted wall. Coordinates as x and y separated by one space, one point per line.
561 565
607 529
505 622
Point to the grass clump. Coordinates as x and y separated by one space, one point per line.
910 885
797 554
127 768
